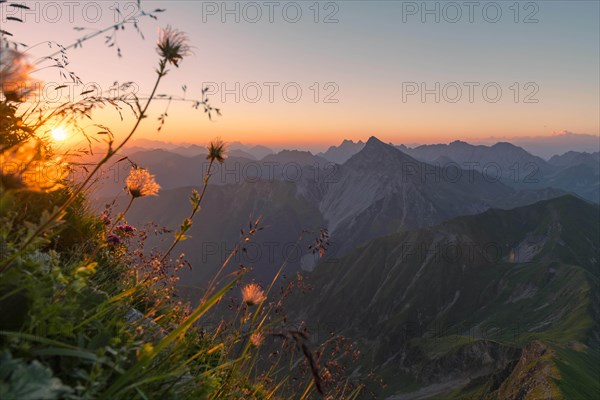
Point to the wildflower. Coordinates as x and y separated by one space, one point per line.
125 228
25 166
256 339
113 240
140 183
173 45
253 294
146 350
15 81
217 151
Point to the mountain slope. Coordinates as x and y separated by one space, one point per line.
381 190
457 309
574 158
573 172
511 162
174 170
216 230
298 157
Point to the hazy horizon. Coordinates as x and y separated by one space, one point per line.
533 144
405 74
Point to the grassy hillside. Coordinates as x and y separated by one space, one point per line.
457 309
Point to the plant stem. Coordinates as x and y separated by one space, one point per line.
195 208
85 38
8 263
121 216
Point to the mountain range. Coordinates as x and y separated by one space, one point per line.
378 191
381 190
576 172
502 304
455 282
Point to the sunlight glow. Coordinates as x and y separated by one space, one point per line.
58 134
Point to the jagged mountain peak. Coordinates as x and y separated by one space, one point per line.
375 144
350 142
381 153
373 140
340 154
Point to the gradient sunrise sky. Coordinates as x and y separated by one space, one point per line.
365 57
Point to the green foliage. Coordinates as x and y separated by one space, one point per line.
579 371
34 381
85 312
69 319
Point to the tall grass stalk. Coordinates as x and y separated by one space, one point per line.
197 201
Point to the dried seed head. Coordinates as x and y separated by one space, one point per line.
253 294
217 151
256 339
140 183
173 45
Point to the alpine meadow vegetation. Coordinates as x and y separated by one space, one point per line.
86 310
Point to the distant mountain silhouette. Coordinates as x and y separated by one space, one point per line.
550 145
516 167
503 156
297 157
381 190
340 154
574 158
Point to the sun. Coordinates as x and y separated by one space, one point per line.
58 134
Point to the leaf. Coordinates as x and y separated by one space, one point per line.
130 376
56 351
29 381
183 237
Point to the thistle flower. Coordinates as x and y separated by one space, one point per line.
15 81
25 166
217 150
125 229
256 339
173 45
253 294
113 240
140 183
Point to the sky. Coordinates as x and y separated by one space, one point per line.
310 74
